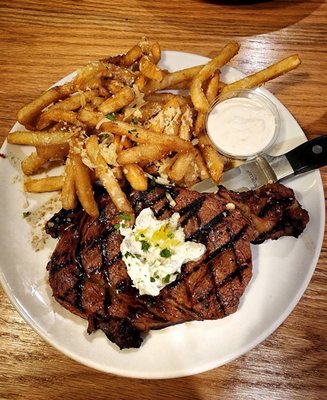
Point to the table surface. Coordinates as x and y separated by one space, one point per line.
42 41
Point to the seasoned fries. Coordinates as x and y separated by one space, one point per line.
106 176
68 193
198 97
83 183
37 138
141 135
136 177
48 184
260 77
32 164
113 123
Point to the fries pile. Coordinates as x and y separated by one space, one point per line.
114 124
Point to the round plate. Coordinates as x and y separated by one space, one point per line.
281 272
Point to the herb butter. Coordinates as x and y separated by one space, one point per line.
155 250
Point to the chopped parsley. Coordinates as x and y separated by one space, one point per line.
166 253
111 116
124 217
26 214
135 121
117 226
166 279
152 279
145 245
129 254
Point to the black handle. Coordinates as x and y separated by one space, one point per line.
309 155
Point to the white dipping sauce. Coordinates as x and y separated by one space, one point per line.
241 126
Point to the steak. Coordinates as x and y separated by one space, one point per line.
89 278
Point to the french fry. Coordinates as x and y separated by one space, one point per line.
113 85
38 138
88 72
150 70
48 184
90 118
124 75
83 184
68 193
132 56
148 110
53 152
32 164
260 77
213 87
118 172
202 168
106 176
211 94
196 91
191 175
27 115
180 166
161 98
172 79
213 160
186 124
135 176
144 153
74 102
168 119
141 81
141 135
56 115
155 53
118 101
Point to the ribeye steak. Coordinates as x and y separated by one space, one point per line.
89 278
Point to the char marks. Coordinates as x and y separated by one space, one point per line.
89 278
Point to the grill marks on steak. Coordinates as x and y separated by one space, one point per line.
272 209
89 278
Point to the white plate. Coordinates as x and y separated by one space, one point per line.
281 272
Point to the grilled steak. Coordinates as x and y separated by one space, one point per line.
89 278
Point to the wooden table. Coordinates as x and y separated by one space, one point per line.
42 41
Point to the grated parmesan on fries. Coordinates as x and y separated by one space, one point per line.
113 123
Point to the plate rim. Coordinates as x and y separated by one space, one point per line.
186 372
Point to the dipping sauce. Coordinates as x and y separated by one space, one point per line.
243 126
155 250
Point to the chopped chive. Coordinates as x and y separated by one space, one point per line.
145 245
125 217
117 226
111 116
166 279
165 253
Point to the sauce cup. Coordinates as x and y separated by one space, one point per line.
243 124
